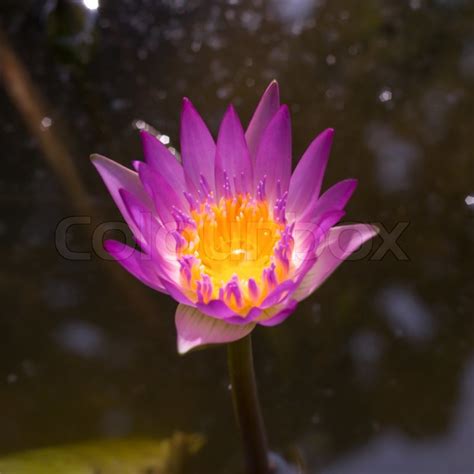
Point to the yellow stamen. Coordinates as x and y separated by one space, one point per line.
232 241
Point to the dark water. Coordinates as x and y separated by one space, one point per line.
375 372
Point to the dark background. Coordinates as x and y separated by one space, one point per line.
374 374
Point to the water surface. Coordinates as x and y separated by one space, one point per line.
374 373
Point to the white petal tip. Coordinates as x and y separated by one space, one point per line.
184 345
196 329
375 230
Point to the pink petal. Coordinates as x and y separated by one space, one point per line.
336 197
141 216
338 245
274 154
196 329
138 264
232 155
278 294
197 148
157 242
164 195
251 316
308 235
266 109
116 177
281 314
161 160
305 183
215 308
175 291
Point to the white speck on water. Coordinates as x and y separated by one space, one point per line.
469 200
173 150
331 59
224 92
91 4
46 123
165 139
385 95
80 338
139 124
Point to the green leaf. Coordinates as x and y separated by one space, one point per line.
127 456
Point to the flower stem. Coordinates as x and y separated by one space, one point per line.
247 407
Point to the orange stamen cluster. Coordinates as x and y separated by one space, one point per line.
235 250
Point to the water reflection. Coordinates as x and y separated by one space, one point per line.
91 4
366 350
297 14
81 338
71 27
406 313
437 104
396 157
469 200
393 452
372 363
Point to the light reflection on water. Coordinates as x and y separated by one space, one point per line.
396 158
406 313
371 367
392 452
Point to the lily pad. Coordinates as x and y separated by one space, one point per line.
126 456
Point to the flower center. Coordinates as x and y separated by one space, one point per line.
237 249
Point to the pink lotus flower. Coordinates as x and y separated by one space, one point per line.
232 234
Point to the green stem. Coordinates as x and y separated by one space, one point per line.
247 406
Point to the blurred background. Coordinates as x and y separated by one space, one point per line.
375 372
